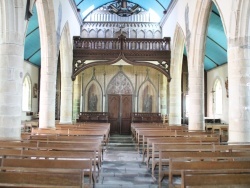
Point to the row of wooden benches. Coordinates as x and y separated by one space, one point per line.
196 156
48 159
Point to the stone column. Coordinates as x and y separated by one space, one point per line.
163 94
239 73
46 21
66 82
76 96
196 97
12 32
175 100
176 72
196 64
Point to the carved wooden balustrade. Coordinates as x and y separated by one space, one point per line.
135 51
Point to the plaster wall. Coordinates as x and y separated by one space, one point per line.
220 73
33 72
65 13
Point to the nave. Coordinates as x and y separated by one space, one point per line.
123 167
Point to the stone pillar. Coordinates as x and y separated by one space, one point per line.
66 100
176 73
196 64
12 32
239 73
196 97
175 100
46 21
66 82
239 90
76 97
163 94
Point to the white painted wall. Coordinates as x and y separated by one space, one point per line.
33 72
220 73
177 16
67 14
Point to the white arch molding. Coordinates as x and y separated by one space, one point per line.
176 71
66 55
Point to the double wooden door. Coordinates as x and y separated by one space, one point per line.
120 108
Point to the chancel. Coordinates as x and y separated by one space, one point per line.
122 93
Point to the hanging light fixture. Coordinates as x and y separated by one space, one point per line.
124 8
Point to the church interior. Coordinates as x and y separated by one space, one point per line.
145 94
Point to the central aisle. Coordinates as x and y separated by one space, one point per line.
122 166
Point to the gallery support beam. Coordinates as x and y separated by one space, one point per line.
134 51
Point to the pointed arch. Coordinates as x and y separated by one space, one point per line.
27 93
176 73
147 96
85 33
120 84
93 95
66 56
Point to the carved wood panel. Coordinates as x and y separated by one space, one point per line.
120 84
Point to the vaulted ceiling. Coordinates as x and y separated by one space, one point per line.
216 42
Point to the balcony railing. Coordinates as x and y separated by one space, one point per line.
122 43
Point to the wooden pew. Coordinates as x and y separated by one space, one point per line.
161 147
179 166
216 178
94 148
165 150
47 178
198 156
174 140
69 132
13 163
52 154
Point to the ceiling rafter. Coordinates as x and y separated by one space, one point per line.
160 4
28 59
79 3
216 43
32 31
216 13
212 60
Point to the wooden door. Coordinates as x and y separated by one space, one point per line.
114 113
120 108
126 109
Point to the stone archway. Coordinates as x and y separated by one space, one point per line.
176 70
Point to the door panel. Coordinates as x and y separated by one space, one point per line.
126 109
114 113
120 108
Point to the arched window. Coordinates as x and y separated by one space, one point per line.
26 102
218 97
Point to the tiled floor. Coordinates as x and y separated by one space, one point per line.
123 167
